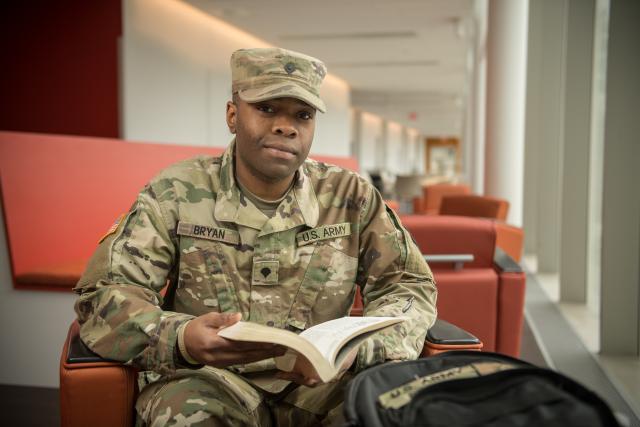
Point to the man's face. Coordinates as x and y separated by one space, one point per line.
273 137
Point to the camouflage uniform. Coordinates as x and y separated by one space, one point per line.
193 229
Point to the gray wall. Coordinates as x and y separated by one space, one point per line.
33 326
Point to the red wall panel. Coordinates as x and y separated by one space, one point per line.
59 70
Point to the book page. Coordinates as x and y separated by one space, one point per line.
319 344
329 337
248 331
351 346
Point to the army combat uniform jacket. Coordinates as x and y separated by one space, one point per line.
192 230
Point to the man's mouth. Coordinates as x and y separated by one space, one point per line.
280 151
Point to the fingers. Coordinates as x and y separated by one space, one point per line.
221 359
203 343
223 344
219 320
298 378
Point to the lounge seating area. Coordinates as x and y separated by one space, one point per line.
64 192
83 195
456 199
69 203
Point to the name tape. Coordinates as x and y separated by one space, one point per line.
322 233
208 233
400 396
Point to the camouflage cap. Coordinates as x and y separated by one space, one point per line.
261 74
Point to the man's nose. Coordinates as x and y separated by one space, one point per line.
282 126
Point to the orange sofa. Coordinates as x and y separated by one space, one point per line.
432 195
61 193
484 296
474 205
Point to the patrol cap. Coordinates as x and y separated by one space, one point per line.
268 73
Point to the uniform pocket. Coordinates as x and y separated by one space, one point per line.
220 279
195 293
327 289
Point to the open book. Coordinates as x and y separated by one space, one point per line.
326 346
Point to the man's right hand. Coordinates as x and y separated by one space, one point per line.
204 345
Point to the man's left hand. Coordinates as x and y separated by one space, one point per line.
303 372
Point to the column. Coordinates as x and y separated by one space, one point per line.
356 134
620 311
506 90
574 229
532 128
478 97
544 131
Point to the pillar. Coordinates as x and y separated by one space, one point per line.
506 90
620 305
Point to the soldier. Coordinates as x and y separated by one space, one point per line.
261 234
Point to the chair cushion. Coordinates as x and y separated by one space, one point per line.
473 205
433 193
436 235
468 298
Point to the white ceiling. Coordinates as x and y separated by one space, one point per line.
404 59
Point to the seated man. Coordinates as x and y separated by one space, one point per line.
261 234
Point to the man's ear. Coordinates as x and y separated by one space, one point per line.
232 116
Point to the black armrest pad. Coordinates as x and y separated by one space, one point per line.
78 352
445 333
505 263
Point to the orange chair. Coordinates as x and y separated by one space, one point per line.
432 196
482 291
94 391
393 204
510 239
100 393
472 205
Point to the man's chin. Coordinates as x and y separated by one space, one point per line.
278 173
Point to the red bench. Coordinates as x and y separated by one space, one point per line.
61 193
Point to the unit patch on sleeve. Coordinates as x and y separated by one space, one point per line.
324 232
210 233
113 228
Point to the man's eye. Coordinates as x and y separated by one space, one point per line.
265 108
305 115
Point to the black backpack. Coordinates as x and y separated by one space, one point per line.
469 388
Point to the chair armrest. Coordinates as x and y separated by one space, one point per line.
457 260
85 378
78 352
444 336
505 263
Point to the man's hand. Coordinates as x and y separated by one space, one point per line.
303 372
204 345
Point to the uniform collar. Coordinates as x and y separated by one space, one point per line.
300 207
